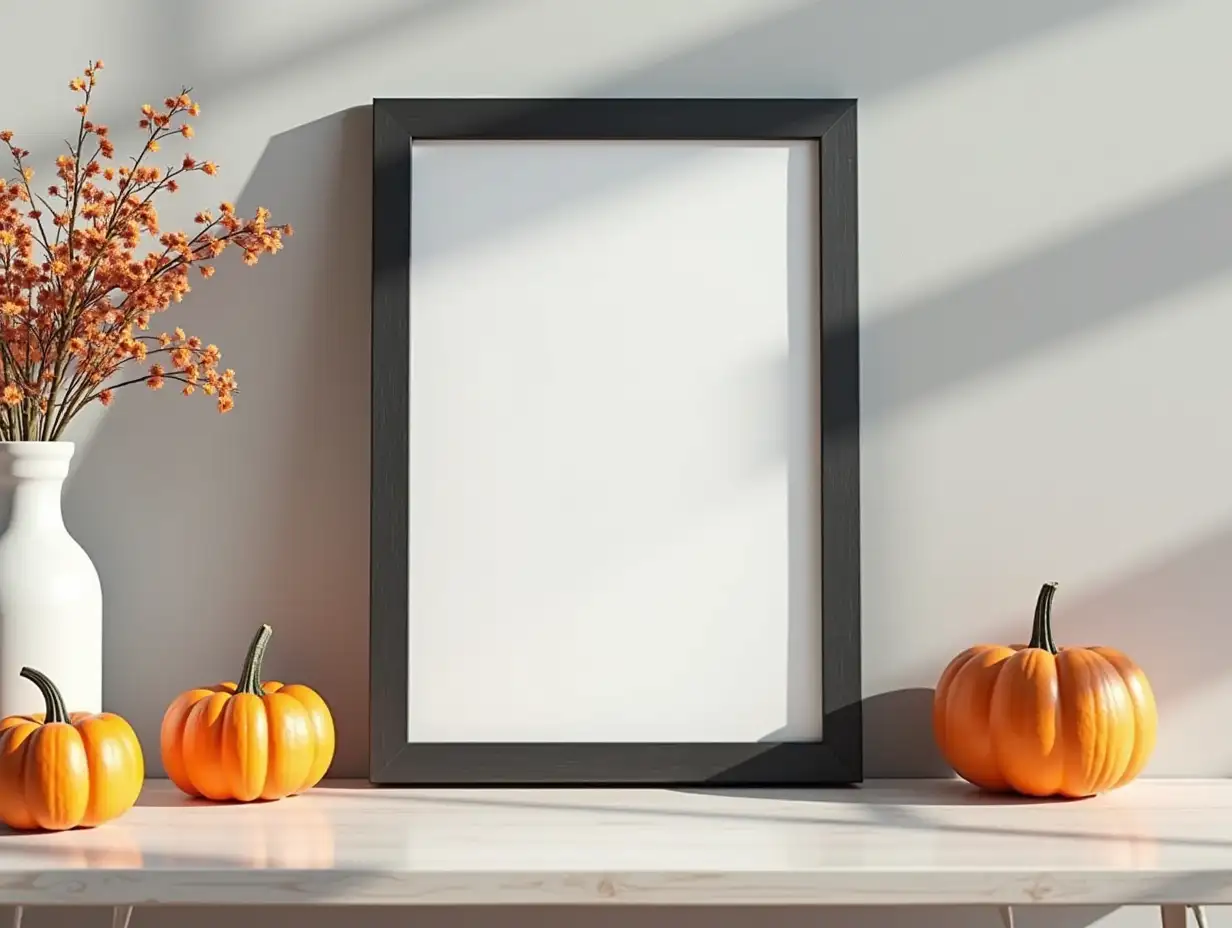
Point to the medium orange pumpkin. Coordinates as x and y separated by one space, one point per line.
250 740
1044 721
61 771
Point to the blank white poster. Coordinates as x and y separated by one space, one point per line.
614 445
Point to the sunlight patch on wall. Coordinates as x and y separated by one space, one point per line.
1008 153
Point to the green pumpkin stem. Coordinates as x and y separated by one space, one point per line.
56 710
250 677
1041 627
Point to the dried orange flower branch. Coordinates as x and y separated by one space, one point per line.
75 294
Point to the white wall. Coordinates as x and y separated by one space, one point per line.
1046 235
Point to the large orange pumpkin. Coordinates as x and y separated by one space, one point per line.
247 740
1044 721
60 770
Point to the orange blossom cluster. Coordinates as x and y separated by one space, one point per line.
76 293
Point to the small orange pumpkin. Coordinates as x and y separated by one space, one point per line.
250 740
61 771
1044 721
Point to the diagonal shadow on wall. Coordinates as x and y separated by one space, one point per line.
837 49
1065 289
867 46
849 48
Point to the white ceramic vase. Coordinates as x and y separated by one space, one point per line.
51 601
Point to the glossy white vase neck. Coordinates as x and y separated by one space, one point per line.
51 610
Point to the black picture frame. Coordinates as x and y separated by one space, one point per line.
835 759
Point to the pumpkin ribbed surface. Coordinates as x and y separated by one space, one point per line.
1045 721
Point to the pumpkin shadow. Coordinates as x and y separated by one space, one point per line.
169 799
898 746
893 796
7 832
154 799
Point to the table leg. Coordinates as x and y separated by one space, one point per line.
120 916
1200 916
1174 916
1007 916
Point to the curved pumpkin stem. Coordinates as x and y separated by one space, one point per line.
250 677
56 710
1041 627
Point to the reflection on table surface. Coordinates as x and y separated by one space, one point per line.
904 825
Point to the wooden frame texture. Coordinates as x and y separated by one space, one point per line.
836 759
